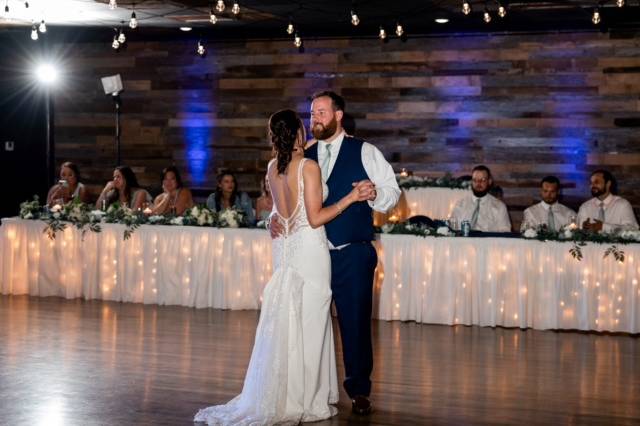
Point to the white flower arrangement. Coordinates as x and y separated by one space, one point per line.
387 227
230 218
530 233
177 221
156 219
567 234
76 213
630 235
444 231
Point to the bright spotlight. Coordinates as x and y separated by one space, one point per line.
47 74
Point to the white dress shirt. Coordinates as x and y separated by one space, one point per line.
377 168
538 214
492 217
618 213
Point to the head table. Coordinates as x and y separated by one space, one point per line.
444 280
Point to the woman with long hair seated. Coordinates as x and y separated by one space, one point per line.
228 196
175 198
124 188
68 187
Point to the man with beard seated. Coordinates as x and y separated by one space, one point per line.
484 211
606 212
548 212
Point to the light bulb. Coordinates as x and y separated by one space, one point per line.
466 7
297 41
502 11
116 43
487 16
354 18
34 33
113 4
133 22
220 6
399 29
236 8
212 17
201 50
620 3
42 27
121 37
382 34
290 28
596 17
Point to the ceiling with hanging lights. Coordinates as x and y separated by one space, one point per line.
323 18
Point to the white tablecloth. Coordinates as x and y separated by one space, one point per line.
483 281
436 203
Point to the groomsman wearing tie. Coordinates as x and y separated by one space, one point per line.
484 211
548 212
606 212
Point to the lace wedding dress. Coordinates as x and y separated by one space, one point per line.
291 377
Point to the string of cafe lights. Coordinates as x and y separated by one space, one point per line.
502 6
489 7
36 29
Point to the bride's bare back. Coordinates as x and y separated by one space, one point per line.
284 188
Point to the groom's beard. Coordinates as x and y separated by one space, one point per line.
322 132
480 194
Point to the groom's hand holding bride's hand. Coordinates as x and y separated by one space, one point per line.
366 190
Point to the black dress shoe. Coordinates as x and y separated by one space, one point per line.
361 405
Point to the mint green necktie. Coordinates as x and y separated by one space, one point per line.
326 162
474 216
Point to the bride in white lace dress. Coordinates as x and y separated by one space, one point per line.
291 377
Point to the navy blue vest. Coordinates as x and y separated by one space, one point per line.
355 224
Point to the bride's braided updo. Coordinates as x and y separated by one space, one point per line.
284 127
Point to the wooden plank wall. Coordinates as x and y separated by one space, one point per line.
525 105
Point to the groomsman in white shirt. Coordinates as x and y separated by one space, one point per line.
484 211
549 211
606 212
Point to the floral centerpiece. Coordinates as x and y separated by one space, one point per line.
580 238
198 216
231 218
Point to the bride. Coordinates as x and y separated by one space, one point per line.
292 377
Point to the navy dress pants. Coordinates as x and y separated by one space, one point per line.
352 270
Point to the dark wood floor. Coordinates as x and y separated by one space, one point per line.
74 362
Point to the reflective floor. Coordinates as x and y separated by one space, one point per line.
75 362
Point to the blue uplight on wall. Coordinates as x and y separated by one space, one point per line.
196 153
197 107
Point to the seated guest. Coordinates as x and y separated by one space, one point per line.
68 187
484 211
264 203
549 211
175 198
125 189
227 196
605 212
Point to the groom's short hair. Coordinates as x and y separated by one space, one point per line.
337 101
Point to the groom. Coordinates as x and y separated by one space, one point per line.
345 160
